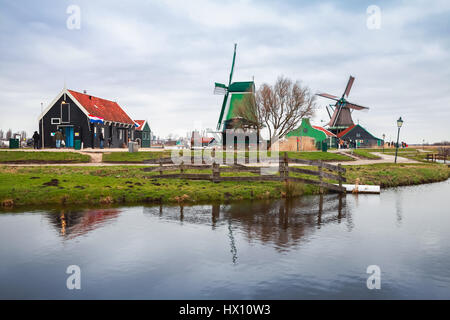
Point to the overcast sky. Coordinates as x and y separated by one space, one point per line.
159 59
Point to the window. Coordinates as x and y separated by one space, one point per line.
56 121
65 112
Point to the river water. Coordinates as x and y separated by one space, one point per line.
311 248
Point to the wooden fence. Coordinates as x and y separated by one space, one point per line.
436 156
333 173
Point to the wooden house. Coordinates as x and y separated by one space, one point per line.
308 137
143 133
82 117
356 136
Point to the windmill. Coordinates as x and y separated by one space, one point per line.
342 110
233 94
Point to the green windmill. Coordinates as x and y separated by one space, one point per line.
234 94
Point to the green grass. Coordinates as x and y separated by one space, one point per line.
139 157
134 157
69 185
393 175
36 186
363 153
42 157
317 155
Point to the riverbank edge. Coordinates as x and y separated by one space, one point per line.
203 192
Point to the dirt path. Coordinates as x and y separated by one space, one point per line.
96 157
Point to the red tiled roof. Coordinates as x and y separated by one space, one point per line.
343 133
140 123
106 109
328 133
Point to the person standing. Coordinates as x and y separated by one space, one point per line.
102 139
58 137
36 137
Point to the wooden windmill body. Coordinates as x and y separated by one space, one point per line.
341 112
234 94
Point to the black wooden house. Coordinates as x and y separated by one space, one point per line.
82 117
357 136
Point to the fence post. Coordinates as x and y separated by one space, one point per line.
160 167
215 172
182 169
286 167
320 176
340 175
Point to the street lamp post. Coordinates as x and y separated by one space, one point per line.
399 125
384 136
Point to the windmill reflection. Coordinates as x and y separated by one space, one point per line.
283 223
71 223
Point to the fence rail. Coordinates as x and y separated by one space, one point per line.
436 156
284 171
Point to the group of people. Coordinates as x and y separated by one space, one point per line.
393 144
60 138
343 144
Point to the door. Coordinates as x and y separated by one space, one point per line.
69 137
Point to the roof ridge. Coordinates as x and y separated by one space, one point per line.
90 95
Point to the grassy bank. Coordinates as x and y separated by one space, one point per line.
42 157
66 185
140 157
390 175
123 184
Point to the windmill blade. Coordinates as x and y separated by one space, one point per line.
220 88
224 103
328 111
355 106
349 86
327 95
232 65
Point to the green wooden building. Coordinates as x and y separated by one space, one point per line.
143 133
320 135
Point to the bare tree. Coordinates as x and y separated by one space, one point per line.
23 134
8 134
279 108
1 134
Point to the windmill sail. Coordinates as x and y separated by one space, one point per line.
225 98
349 86
342 114
220 88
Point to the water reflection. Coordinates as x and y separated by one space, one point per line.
74 223
282 223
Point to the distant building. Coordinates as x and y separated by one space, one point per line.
307 137
357 136
82 117
143 133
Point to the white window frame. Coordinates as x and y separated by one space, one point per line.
68 112
53 121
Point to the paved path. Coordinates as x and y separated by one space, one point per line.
96 162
